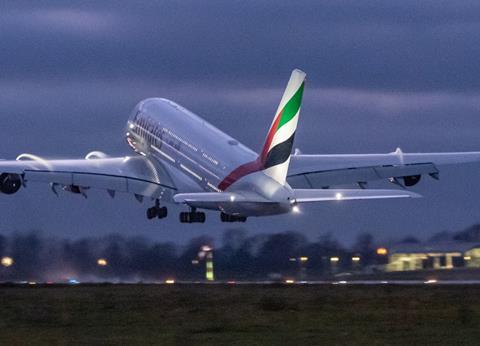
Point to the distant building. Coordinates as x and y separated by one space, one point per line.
446 255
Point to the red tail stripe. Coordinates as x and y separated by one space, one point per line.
239 172
252 166
271 134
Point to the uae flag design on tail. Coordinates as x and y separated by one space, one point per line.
275 156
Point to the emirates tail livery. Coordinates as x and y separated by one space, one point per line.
183 159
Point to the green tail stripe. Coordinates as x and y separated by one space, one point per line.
292 107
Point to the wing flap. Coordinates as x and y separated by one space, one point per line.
324 195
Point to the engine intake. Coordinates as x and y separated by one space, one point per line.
411 180
10 183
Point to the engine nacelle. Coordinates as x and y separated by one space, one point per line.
411 180
10 183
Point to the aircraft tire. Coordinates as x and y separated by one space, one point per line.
200 217
151 213
162 212
183 217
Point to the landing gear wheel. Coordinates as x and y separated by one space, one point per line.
192 217
151 213
184 217
199 217
162 212
232 218
157 211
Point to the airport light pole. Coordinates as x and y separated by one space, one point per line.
382 256
356 262
302 269
102 262
206 253
334 264
6 262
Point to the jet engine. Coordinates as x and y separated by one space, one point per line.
10 183
411 180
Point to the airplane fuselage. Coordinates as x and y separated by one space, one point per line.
166 132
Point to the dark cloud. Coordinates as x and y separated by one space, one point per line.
407 46
380 75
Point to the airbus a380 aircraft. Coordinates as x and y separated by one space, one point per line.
184 159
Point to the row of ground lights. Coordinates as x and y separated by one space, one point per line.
8 262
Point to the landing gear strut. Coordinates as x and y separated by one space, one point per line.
232 218
157 211
192 217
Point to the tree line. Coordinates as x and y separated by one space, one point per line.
238 256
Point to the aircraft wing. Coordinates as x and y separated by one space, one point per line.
136 175
322 171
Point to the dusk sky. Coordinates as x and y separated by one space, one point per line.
380 75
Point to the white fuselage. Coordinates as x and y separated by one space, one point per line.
163 130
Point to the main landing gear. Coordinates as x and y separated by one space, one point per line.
232 218
192 217
157 211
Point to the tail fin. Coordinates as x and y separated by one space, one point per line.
275 156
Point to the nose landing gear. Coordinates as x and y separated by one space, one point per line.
157 211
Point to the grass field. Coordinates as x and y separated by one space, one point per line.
251 315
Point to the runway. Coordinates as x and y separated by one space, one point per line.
252 283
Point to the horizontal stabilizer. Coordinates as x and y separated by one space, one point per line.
214 197
301 196
323 195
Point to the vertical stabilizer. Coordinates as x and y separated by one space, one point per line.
275 156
